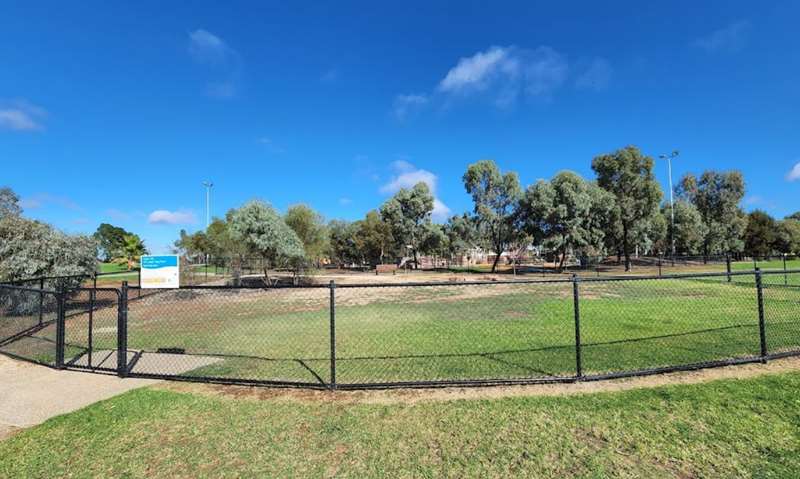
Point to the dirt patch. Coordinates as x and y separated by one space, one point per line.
411 396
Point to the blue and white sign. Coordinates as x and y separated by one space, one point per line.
161 271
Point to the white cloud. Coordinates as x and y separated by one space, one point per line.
405 105
597 75
794 173
729 38
507 73
166 217
19 115
344 201
41 200
406 176
211 51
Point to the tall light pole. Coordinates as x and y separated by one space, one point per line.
208 186
669 158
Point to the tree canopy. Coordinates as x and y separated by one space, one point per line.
761 234
496 198
310 227
408 214
628 175
261 228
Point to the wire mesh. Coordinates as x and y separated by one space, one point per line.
27 324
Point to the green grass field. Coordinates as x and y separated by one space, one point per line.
500 331
727 428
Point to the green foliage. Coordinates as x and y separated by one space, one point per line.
462 234
311 229
496 197
717 196
131 251
628 175
408 214
343 239
30 249
689 232
566 213
373 238
9 203
760 235
110 238
262 229
794 216
788 236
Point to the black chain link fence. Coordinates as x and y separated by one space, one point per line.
389 335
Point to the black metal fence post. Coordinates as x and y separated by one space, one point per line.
785 276
60 328
761 321
577 309
90 338
122 331
332 383
41 300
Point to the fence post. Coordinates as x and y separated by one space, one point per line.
577 309
762 333
60 328
659 266
41 299
785 276
90 338
728 266
122 331
332 384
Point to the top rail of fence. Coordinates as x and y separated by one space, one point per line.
24 288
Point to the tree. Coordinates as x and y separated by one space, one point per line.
794 216
563 214
788 237
262 229
110 239
496 197
9 203
760 235
717 196
373 238
628 175
131 251
311 229
689 229
462 235
30 249
408 214
343 239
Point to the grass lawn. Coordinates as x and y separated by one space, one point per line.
443 332
112 268
726 428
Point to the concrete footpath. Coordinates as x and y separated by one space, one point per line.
30 394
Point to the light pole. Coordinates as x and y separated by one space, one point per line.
208 186
669 158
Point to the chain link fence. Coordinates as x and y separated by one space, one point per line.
351 336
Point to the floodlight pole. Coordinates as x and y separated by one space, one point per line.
208 186
669 158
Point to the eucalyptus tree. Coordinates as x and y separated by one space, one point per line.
408 214
311 229
628 175
261 228
496 198
565 214
717 196
689 230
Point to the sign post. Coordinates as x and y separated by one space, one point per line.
160 272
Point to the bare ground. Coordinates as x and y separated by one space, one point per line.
411 396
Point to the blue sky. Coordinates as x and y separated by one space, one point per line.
113 112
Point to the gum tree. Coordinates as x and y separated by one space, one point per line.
262 230
496 197
628 175
408 214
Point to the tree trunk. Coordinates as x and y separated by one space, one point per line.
626 248
563 259
496 260
416 261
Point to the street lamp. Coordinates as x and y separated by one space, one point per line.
208 186
669 158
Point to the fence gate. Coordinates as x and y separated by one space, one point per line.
91 331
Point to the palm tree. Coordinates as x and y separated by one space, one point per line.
132 249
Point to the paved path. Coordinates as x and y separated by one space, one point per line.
31 394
